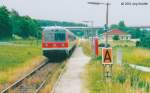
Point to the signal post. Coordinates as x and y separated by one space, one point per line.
107 60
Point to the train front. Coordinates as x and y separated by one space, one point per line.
55 43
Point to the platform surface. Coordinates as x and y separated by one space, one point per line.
71 81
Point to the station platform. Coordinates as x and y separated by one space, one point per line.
71 81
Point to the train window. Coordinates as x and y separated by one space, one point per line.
48 36
54 35
60 37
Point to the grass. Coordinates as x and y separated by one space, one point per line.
131 54
32 42
16 61
122 43
134 55
87 49
12 56
125 79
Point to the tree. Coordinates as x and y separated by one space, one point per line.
145 41
16 21
29 27
114 26
122 26
116 37
135 32
12 23
58 23
25 26
5 24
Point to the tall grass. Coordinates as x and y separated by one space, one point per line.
86 48
125 79
133 55
15 61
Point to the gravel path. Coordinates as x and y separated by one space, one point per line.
71 82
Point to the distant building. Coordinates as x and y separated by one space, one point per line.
116 32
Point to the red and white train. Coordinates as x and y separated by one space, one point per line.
58 42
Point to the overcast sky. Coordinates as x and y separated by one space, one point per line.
79 10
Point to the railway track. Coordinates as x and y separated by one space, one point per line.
33 81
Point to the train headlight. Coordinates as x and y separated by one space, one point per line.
54 45
63 45
46 45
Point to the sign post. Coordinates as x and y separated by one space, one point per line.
119 56
107 61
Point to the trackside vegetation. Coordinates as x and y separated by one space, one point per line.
125 79
134 55
16 60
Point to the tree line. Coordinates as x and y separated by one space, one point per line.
58 23
12 25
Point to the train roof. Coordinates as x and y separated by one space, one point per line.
53 28
58 28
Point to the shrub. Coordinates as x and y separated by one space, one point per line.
137 43
103 45
125 45
116 37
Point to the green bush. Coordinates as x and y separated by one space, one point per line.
116 37
125 45
137 43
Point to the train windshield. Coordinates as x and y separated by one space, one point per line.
60 37
54 36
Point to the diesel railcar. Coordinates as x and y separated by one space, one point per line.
58 42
